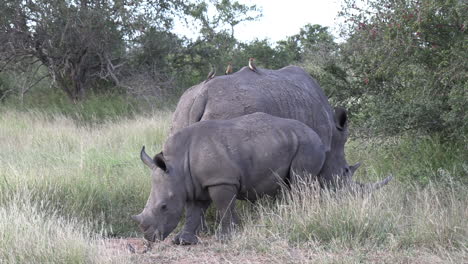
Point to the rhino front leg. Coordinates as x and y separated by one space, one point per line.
224 198
194 219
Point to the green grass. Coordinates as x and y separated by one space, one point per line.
412 159
66 185
97 108
90 172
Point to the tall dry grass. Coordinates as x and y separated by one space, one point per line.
397 221
32 232
66 185
91 172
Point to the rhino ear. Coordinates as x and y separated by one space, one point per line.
341 118
160 161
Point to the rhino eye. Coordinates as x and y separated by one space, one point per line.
164 207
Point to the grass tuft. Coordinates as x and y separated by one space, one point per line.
32 233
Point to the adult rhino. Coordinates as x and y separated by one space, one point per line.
220 161
288 93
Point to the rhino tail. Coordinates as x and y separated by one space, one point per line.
197 110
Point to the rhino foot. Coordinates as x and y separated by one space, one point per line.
185 239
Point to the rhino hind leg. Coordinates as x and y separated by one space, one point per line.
224 199
194 221
308 162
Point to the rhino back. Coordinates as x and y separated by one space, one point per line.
249 152
289 93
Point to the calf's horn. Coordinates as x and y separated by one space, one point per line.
147 160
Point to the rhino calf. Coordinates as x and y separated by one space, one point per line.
220 161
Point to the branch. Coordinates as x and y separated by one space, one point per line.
110 70
9 60
36 82
5 93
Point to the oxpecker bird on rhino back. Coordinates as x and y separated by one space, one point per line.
220 161
289 92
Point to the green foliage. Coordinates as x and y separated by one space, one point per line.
311 37
75 41
156 49
317 52
88 45
97 109
407 64
265 55
4 86
411 160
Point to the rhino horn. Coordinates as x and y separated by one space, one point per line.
137 218
380 184
147 160
374 186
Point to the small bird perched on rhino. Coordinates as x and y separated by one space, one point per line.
252 66
229 69
211 74
219 161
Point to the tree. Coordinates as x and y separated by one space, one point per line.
21 79
217 45
80 42
233 13
265 55
315 49
407 65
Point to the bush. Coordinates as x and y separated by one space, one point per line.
411 159
407 66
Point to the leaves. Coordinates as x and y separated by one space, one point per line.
409 54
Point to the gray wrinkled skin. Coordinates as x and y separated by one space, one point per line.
220 161
289 93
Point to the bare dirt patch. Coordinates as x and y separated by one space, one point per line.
209 250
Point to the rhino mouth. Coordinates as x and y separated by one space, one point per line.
155 235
